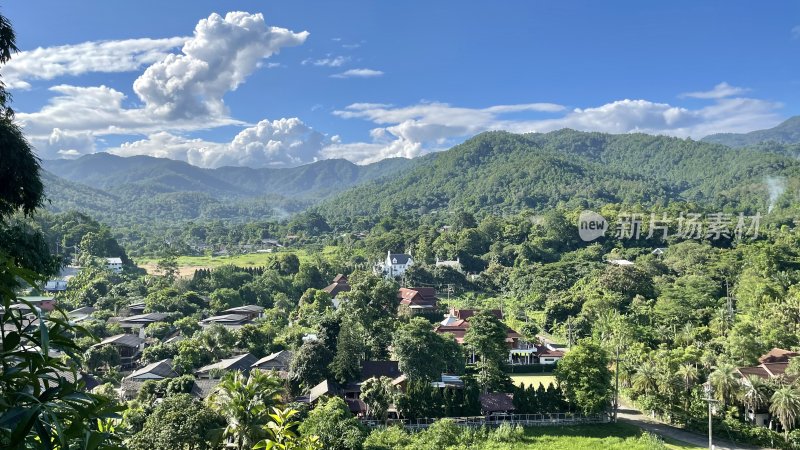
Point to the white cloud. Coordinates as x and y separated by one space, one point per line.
417 129
65 144
180 92
277 143
358 73
217 59
103 56
328 61
796 32
721 90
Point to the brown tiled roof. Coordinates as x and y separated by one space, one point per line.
340 278
777 355
497 402
757 371
421 297
775 369
541 350
336 288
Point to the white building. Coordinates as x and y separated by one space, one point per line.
455 265
114 264
395 265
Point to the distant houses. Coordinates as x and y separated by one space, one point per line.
129 347
416 301
54 286
520 350
114 264
242 363
395 265
771 366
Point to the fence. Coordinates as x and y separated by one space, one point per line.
528 420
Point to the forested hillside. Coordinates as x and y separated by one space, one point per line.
500 171
144 190
787 132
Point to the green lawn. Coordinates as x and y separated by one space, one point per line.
584 437
533 378
189 263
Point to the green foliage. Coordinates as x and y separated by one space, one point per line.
244 402
423 354
179 421
584 376
333 424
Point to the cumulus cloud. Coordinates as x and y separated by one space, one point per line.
328 61
217 59
103 56
721 90
278 143
358 73
65 144
413 130
180 92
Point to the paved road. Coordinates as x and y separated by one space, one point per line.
635 417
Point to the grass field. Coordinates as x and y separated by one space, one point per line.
533 378
584 437
188 264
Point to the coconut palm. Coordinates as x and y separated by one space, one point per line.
725 381
245 402
754 392
688 374
645 381
785 404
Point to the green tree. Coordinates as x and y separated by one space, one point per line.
244 402
486 337
101 357
725 380
281 434
335 426
585 378
309 365
785 405
377 394
179 422
424 354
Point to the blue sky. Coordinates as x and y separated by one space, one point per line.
368 80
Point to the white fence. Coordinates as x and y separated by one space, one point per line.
528 420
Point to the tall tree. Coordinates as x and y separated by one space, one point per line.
244 402
486 336
585 378
785 404
424 354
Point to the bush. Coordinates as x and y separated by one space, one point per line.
387 439
507 433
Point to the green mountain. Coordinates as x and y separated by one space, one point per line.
146 190
787 132
145 175
505 172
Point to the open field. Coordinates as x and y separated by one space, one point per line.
533 378
585 437
188 264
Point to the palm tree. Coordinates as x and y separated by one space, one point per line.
244 402
688 375
785 404
645 379
725 381
753 393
